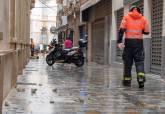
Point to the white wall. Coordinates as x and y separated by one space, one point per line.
147 14
163 18
116 4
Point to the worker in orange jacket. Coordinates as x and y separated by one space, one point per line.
134 25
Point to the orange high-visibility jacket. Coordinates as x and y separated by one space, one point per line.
134 24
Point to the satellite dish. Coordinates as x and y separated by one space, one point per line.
53 30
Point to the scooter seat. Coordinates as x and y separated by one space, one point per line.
74 48
67 50
70 49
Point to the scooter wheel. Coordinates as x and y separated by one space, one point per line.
79 62
49 60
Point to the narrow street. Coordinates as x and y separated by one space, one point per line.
107 34
93 89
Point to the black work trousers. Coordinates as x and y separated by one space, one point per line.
132 55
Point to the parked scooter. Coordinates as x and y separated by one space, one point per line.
73 55
52 44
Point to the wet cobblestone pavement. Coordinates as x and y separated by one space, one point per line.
93 89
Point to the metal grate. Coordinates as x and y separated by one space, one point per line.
157 21
120 14
98 41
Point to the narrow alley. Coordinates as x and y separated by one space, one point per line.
82 56
92 89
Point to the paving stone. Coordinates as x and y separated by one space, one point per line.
92 89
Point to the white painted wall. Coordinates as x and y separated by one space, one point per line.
113 27
163 18
116 4
147 14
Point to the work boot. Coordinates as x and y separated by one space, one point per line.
127 81
141 84
141 80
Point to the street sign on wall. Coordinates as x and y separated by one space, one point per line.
126 2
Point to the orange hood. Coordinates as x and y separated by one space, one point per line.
135 15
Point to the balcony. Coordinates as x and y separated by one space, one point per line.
68 7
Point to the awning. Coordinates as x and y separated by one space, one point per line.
88 4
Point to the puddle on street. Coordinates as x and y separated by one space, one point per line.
92 89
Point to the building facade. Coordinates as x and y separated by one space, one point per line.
97 16
79 19
42 19
68 20
100 20
14 42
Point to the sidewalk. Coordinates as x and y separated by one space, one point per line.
93 89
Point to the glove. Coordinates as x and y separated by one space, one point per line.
120 45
